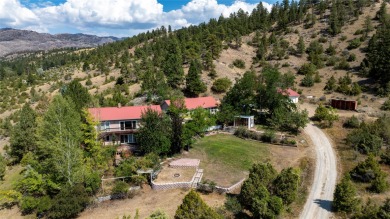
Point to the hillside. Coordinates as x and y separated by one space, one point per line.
323 51
14 41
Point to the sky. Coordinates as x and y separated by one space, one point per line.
119 18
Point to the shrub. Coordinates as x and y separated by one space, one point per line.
322 39
363 141
221 85
343 38
88 82
120 190
331 50
239 63
386 105
343 64
366 171
268 136
353 44
28 204
307 81
351 57
307 69
331 61
352 122
69 202
232 204
379 184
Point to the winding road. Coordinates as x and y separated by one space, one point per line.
319 201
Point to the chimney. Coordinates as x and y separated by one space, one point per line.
119 105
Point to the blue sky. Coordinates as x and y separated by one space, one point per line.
113 17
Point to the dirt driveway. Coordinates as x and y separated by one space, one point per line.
319 201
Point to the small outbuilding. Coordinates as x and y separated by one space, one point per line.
244 121
293 95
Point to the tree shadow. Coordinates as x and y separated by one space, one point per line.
325 204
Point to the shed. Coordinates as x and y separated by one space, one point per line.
247 121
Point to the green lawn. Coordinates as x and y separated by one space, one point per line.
227 159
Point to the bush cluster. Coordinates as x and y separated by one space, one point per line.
268 136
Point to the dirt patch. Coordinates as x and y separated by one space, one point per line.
171 175
146 202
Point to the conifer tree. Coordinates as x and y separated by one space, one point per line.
23 136
193 207
172 66
345 196
300 46
194 84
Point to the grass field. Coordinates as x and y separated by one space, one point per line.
227 159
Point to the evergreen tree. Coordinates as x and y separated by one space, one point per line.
300 46
154 134
286 185
194 84
77 93
379 54
176 110
23 136
345 196
193 207
334 21
172 66
3 166
331 84
92 147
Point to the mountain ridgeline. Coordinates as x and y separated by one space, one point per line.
14 41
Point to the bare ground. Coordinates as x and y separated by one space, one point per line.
146 202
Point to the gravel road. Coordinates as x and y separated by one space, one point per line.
319 201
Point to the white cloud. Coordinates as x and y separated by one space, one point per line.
13 14
197 11
118 17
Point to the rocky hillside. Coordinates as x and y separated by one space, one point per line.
14 41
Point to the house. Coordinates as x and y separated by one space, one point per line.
294 96
118 125
209 103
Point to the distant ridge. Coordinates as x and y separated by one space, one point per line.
13 41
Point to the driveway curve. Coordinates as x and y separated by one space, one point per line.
319 200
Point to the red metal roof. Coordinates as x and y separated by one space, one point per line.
193 103
120 113
289 92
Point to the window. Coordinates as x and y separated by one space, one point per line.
213 110
128 139
105 126
126 125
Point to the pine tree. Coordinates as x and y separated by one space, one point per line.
172 66
345 196
300 46
155 133
193 207
78 94
23 136
194 84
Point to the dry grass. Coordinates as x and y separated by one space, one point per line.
146 202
